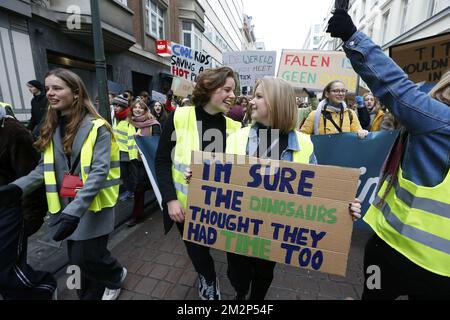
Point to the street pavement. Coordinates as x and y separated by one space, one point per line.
159 269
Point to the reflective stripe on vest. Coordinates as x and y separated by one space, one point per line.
51 188
121 134
185 122
109 192
131 143
237 144
415 221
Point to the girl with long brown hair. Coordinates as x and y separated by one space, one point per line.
146 125
79 167
188 129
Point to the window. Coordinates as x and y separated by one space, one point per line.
363 9
370 31
155 19
124 2
317 28
192 37
403 25
431 8
385 26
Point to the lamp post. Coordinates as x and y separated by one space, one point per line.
100 62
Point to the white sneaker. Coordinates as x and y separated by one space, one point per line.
55 294
208 291
113 294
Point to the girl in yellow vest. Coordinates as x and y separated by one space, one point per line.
271 135
75 139
409 254
123 132
145 124
201 127
375 113
332 115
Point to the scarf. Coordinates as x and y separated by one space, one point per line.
323 105
122 115
143 123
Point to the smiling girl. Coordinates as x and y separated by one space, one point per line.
332 115
272 135
202 127
146 125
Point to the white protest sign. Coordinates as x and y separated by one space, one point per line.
187 63
251 65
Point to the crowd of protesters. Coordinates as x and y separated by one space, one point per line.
87 166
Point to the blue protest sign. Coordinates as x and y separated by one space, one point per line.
369 154
147 147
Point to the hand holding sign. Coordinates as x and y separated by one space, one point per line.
355 209
187 175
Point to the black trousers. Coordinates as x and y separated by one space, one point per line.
98 268
244 271
200 257
126 174
400 276
17 279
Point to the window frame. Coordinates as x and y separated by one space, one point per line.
403 22
385 23
194 34
155 17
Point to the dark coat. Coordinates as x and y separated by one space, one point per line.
39 105
17 158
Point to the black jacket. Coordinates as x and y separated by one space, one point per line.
39 105
17 158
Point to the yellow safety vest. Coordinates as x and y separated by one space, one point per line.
131 143
107 197
237 144
415 221
121 132
185 123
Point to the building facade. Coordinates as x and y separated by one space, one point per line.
314 37
392 22
227 28
39 35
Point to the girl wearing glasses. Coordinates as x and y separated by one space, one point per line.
332 115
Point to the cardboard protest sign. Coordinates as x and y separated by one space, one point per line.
158 96
276 210
251 65
187 63
182 87
424 59
315 69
